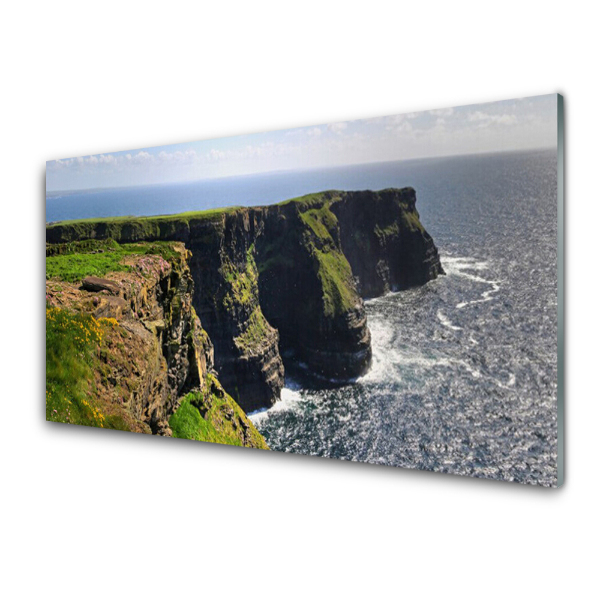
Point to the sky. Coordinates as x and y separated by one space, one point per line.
519 124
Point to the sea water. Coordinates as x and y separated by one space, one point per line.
464 375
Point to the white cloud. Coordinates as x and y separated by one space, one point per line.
293 132
337 127
391 120
485 119
314 132
395 120
404 127
442 112
82 161
141 157
178 157
109 159
57 164
398 124
216 154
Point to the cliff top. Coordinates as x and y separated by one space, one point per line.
210 214
165 226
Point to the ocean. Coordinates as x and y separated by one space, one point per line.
464 375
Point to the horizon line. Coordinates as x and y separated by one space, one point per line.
273 171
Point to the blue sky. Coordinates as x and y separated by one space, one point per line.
492 127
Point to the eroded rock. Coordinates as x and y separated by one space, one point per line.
97 284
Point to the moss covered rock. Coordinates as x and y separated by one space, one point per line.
149 345
211 415
289 276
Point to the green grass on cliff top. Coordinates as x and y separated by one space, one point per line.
77 260
133 228
314 198
72 344
201 215
209 214
145 224
331 196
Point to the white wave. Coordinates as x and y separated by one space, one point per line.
476 374
391 368
456 264
509 385
495 288
460 267
390 364
485 296
384 356
290 396
446 322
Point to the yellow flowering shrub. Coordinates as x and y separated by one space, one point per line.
72 343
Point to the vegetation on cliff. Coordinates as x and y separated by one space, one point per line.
289 276
241 281
75 345
133 228
121 351
256 328
212 415
335 274
75 260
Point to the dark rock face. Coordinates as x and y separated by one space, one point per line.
308 293
226 298
289 276
179 353
384 241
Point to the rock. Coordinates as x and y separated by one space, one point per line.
161 358
308 291
285 278
384 241
97 284
226 298
110 307
156 327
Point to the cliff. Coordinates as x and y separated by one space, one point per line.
307 289
288 279
384 241
125 347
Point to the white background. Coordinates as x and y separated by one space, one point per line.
94 514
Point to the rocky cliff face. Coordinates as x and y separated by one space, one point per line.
226 297
156 349
151 362
307 289
385 243
288 277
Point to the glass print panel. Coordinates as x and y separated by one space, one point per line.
380 290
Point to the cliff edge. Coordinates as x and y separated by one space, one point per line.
287 279
125 348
